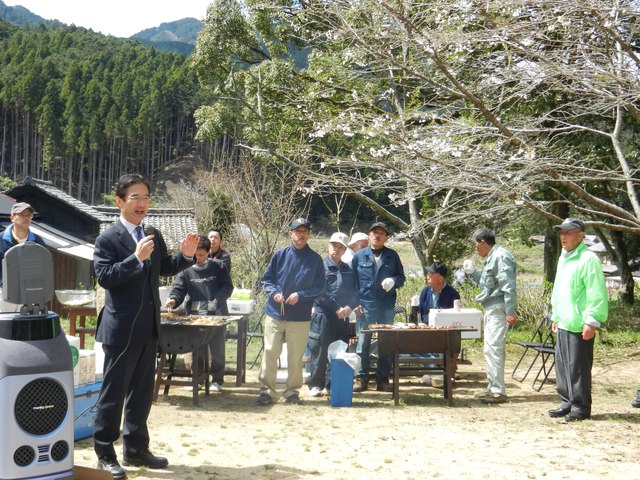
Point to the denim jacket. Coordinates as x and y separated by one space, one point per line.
369 278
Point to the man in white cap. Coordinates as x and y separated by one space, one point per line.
580 306
18 232
358 241
330 318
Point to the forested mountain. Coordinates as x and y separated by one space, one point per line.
179 36
185 30
19 15
80 108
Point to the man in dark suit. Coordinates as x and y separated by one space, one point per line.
128 265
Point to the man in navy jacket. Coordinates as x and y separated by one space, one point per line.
437 293
379 273
293 280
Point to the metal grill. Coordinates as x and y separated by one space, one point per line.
24 455
60 450
41 406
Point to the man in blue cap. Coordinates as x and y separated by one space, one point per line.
293 280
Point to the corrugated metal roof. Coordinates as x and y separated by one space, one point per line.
174 223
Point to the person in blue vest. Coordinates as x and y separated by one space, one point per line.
379 273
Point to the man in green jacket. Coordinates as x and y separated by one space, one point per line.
497 282
579 302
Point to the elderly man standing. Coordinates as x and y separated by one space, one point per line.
579 302
330 319
293 280
497 282
379 273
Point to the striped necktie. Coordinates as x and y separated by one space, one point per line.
137 233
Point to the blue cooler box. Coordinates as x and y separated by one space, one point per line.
341 383
84 409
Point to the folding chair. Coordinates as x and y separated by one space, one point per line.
545 352
541 339
400 311
257 333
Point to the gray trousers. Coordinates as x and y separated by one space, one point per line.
495 334
574 359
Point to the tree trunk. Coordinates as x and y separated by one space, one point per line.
622 261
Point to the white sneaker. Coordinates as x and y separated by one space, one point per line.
315 392
215 387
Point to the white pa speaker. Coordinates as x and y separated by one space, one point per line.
36 399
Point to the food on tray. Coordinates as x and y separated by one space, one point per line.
209 321
380 326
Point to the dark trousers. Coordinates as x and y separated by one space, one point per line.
324 330
127 388
217 353
574 359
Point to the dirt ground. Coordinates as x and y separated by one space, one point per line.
230 437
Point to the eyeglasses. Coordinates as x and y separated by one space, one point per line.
136 198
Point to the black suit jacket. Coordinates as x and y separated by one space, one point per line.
130 288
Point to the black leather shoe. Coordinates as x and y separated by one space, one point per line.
144 458
559 412
576 417
636 402
111 465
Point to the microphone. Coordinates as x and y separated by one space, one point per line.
149 229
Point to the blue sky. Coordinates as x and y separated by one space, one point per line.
106 16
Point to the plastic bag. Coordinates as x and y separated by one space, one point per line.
335 348
338 350
351 359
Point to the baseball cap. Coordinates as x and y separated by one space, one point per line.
299 222
20 207
381 225
438 267
356 237
340 238
571 223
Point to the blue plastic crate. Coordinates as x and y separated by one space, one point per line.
84 410
341 383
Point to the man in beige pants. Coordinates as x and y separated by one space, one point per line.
294 278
